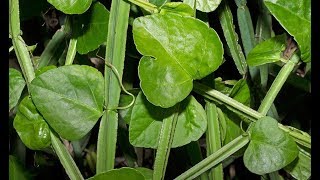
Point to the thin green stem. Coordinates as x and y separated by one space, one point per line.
145 5
221 98
72 50
18 43
299 136
277 85
213 138
215 158
65 158
115 53
165 142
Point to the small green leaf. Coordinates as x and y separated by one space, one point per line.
270 149
147 173
178 8
146 122
70 98
16 170
295 17
31 127
268 51
93 27
123 173
204 5
71 6
300 168
16 86
177 50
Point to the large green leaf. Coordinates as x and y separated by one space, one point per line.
16 170
70 98
93 27
30 126
204 5
295 17
124 173
270 149
16 85
146 122
177 50
71 6
267 51
300 168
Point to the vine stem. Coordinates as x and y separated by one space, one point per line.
299 136
146 5
165 142
215 158
20 47
277 84
26 65
72 50
115 53
65 158
213 138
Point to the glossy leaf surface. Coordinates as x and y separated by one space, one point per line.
295 17
146 122
16 85
70 98
31 127
71 6
124 173
93 28
176 51
270 148
204 5
267 51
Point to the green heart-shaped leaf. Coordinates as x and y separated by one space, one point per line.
270 148
177 50
71 6
93 28
295 17
204 5
119 174
31 127
70 98
267 51
146 122
16 85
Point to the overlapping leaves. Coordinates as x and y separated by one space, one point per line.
295 17
31 127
